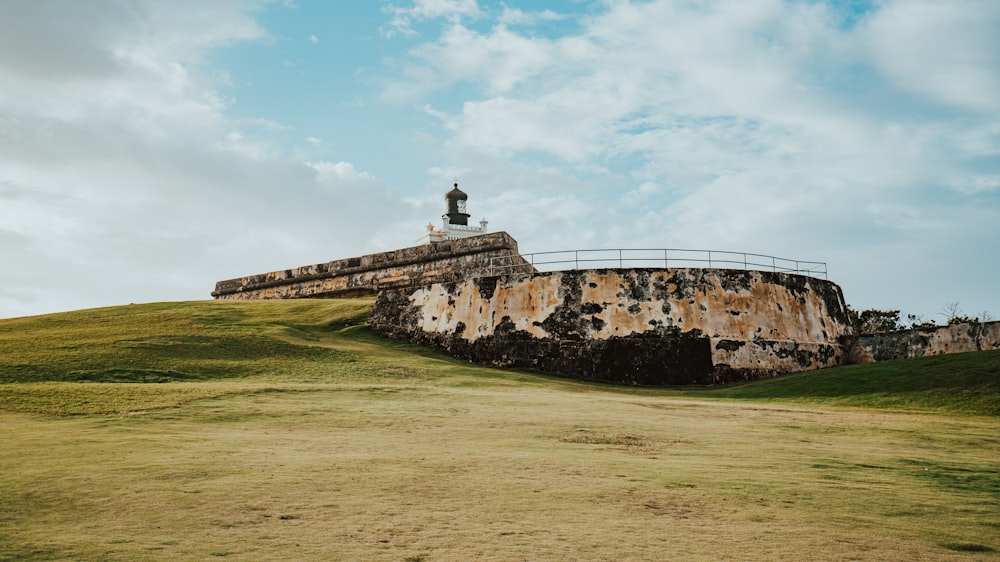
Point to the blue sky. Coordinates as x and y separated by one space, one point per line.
152 147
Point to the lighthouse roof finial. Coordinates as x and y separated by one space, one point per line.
456 193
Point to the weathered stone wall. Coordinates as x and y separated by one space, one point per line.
918 342
638 326
408 267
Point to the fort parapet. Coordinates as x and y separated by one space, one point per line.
438 262
632 326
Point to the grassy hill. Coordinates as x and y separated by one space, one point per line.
963 383
325 341
285 430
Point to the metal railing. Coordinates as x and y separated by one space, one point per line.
656 258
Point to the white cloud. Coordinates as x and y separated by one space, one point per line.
328 172
313 39
422 10
267 124
949 51
976 184
773 84
502 59
514 16
633 67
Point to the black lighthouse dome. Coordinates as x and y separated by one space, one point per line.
456 199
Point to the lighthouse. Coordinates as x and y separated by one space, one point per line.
455 220
455 200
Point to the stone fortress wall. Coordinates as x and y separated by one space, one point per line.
922 342
632 326
416 266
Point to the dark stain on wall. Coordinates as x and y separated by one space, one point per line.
730 345
793 350
487 286
652 358
566 322
736 280
637 286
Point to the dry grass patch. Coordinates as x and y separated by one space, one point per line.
623 441
495 473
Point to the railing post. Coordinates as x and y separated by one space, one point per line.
710 259
620 265
745 262
774 265
576 259
666 262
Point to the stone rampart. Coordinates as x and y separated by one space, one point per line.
633 326
920 342
438 262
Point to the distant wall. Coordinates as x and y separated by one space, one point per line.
919 342
438 262
634 326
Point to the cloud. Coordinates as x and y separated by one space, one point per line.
514 16
976 184
330 173
633 68
501 59
947 51
313 39
776 86
421 10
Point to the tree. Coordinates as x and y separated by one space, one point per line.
917 321
955 315
873 320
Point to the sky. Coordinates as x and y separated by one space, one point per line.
149 148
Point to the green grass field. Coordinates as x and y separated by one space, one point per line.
284 430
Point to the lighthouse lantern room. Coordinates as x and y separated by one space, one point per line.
455 222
